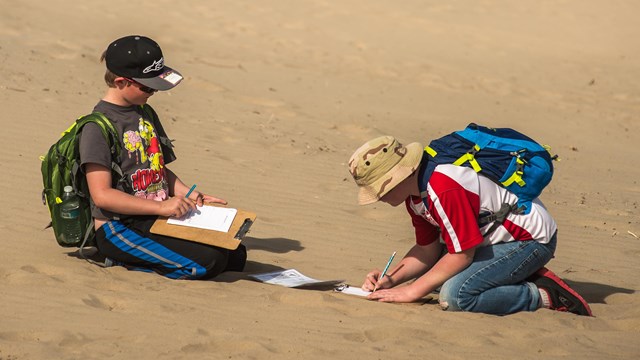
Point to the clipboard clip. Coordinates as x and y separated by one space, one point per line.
244 229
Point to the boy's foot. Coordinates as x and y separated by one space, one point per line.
559 296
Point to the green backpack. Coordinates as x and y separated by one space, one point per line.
61 167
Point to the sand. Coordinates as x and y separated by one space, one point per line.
276 97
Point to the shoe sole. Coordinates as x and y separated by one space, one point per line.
546 273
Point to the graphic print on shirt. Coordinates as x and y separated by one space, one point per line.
147 182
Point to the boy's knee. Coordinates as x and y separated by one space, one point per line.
448 298
211 262
448 304
208 263
444 299
221 260
444 305
237 259
215 264
459 301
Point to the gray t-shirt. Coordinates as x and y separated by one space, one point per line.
142 158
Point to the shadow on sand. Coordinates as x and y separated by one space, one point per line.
596 293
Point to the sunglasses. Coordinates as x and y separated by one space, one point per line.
142 88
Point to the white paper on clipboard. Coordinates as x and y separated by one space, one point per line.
207 217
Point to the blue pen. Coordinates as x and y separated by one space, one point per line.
384 272
190 191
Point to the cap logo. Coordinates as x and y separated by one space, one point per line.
157 65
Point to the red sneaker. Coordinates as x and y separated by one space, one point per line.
561 296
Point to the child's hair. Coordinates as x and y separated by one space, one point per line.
109 77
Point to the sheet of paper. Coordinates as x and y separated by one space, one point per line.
351 290
292 278
208 217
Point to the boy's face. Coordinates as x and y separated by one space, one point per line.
400 192
395 196
133 92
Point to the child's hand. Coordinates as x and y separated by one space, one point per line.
402 294
201 198
176 206
373 278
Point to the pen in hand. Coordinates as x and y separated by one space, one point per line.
384 271
190 191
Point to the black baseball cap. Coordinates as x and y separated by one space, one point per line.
140 59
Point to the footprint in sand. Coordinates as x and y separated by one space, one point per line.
223 345
388 334
103 304
74 339
29 274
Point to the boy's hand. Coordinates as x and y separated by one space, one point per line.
402 294
176 206
201 198
373 278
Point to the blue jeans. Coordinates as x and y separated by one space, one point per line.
495 282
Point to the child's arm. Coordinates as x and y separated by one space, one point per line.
417 261
178 188
448 266
114 200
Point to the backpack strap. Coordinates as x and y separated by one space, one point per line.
498 217
469 156
114 145
425 170
517 174
111 134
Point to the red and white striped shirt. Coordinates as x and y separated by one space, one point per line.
455 197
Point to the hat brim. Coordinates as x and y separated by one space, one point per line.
165 81
403 169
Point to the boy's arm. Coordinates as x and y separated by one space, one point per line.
416 262
108 198
448 266
176 186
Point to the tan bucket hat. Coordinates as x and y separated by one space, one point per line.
381 164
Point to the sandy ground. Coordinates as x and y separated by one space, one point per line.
277 95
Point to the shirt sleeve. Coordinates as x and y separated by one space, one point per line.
94 147
426 233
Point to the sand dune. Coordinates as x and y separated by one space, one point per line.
277 95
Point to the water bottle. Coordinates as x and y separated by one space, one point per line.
70 212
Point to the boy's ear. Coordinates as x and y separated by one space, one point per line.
121 82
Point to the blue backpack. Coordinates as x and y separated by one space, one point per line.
506 156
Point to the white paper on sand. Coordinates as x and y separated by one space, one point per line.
207 217
292 278
349 290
